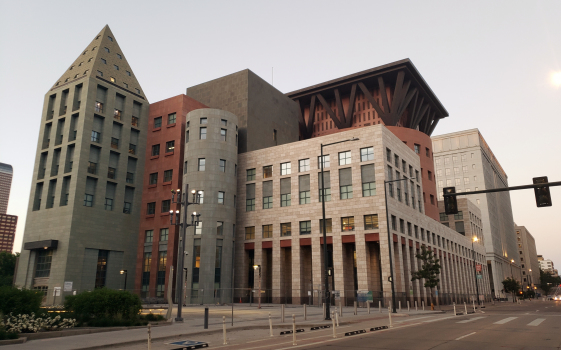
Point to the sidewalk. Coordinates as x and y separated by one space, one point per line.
245 317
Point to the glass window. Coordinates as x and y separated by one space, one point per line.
250 232
166 206
370 221
222 165
388 155
346 192
220 197
285 200
396 160
202 164
96 136
417 148
168 175
202 133
267 231
201 195
345 158
348 223
366 154
285 168
164 233
460 227
148 236
401 226
203 121
151 208
171 118
327 192
153 180
326 161
199 228
170 145
305 227
368 189
108 204
44 258
267 171
223 134
219 228
157 122
267 202
304 165
250 174
223 122
443 217
101 272
305 197
250 204
394 223
459 216
286 229
186 136
328 226
88 200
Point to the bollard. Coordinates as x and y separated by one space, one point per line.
423 304
324 315
390 314
340 309
333 322
270 325
399 304
356 311
368 306
380 306
282 313
206 318
149 337
407 305
305 313
224 330
473 306
465 306
415 305
293 329
337 317
454 309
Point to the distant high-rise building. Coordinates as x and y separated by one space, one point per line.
465 161
528 257
84 208
6 174
8 225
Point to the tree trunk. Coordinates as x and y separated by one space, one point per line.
431 303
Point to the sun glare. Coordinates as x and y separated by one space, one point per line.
556 79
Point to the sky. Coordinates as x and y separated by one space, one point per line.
489 62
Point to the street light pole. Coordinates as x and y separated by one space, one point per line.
475 267
258 267
390 243
512 276
326 297
182 200
124 272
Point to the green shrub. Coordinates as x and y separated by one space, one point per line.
19 301
104 303
7 335
151 317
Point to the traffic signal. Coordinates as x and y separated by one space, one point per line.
450 203
543 197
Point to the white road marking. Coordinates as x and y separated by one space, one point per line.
471 319
536 322
413 319
438 319
503 321
463 336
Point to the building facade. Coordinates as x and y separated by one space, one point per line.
464 160
8 224
84 208
528 257
279 223
6 174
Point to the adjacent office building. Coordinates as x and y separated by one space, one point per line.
465 161
6 174
84 208
528 257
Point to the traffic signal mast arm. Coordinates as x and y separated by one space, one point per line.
549 184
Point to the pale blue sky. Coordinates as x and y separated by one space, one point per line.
488 62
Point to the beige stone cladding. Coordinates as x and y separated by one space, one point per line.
465 161
293 265
528 257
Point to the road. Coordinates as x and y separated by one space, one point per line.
530 325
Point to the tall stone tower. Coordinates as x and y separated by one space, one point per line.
84 206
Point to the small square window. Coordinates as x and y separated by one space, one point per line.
250 174
110 38
250 232
164 234
285 168
128 73
170 146
267 171
222 165
88 200
267 202
126 85
106 50
285 200
348 223
202 133
137 91
325 161
116 67
223 134
224 122
151 209
219 228
119 56
171 118
112 79
371 222
203 121
346 192
157 122
166 205
155 150
366 154
345 158
153 179
305 227
304 165
328 226
202 164
168 175
103 61
267 231
286 229
220 197
99 73
149 234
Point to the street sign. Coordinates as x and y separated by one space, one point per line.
364 295
479 276
68 286
56 291
336 294
309 293
478 268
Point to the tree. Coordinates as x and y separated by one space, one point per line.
547 281
430 270
511 285
7 268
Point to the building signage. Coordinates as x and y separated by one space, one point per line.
478 268
364 296
68 286
336 294
56 291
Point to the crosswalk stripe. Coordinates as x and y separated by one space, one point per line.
508 319
536 322
471 319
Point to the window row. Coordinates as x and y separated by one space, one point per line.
464 158
405 190
305 227
202 166
165 205
114 80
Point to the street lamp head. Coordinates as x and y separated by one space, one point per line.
178 190
171 212
177 211
512 261
194 213
193 191
123 272
255 267
475 239
201 193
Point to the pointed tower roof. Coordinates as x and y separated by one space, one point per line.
103 58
